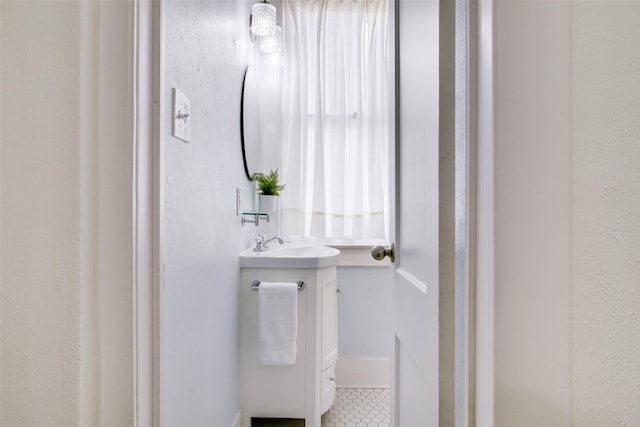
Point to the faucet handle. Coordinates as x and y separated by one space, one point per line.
260 246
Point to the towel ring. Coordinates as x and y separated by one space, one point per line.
256 284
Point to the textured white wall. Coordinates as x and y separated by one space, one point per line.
206 52
0 207
41 216
66 246
550 165
605 213
532 213
50 333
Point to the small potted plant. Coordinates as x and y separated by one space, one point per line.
269 190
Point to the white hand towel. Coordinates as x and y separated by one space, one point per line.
277 323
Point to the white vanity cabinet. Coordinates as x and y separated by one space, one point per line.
306 389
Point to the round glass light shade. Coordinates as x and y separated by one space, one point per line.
273 42
263 21
274 59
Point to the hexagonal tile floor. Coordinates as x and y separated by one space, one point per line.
353 407
359 407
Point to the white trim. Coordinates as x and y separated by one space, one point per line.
412 279
145 230
394 190
393 143
1 208
485 358
363 373
158 202
147 73
89 386
359 257
464 212
116 213
237 421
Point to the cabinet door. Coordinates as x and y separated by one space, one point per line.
329 320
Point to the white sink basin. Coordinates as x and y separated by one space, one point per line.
290 255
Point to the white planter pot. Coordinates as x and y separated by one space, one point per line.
267 204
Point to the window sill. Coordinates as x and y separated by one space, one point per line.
353 254
358 256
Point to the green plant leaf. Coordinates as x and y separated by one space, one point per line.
268 184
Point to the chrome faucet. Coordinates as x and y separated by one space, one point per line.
261 243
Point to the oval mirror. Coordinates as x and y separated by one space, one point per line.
250 122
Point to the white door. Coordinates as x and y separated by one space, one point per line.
415 365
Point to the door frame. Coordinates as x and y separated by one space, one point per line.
149 72
484 247
127 210
474 367
147 27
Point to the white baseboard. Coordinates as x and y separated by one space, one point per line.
237 421
366 373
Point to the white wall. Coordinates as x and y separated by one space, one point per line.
66 246
52 360
41 214
206 54
532 213
605 179
0 207
567 230
364 312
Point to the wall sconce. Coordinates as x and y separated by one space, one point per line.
262 21
262 25
272 43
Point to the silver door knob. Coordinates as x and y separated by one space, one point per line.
379 252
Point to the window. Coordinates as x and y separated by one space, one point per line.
336 133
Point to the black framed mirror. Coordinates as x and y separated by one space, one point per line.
250 122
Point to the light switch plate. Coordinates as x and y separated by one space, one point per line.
181 116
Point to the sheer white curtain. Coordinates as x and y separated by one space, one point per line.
336 120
